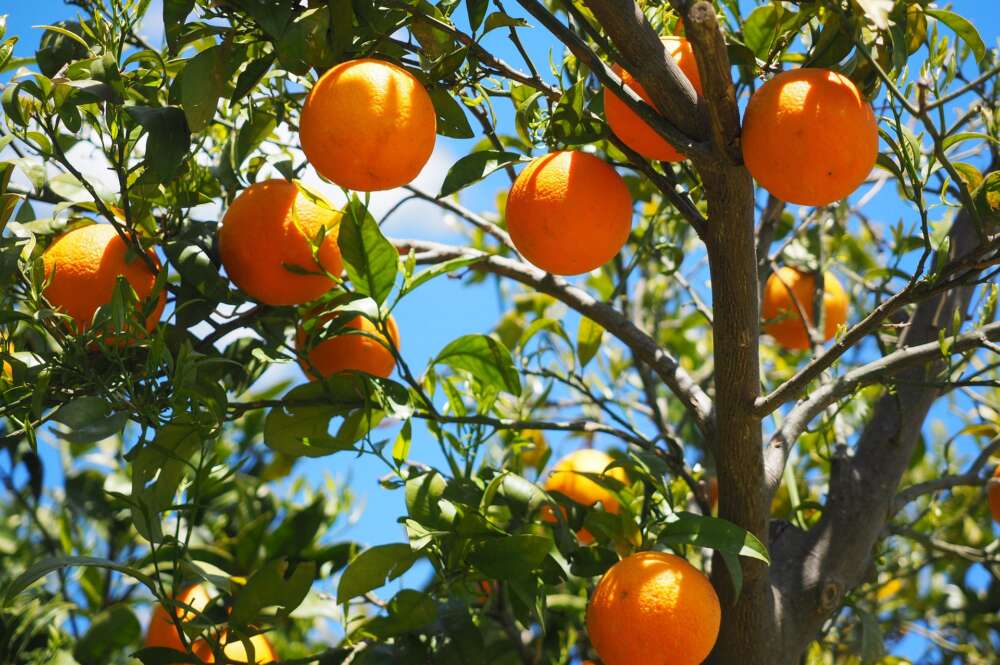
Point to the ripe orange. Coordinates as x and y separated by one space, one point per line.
653 607
368 125
83 266
268 232
351 351
162 630
566 479
786 325
569 212
993 494
809 137
626 123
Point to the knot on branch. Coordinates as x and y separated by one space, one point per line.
829 597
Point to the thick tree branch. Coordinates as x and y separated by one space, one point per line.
814 571
702 29
971 478
877 371
677 121
646 349
956 273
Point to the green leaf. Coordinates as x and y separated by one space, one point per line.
425 502
373 567
964 28
437 270
279 584
251 134
713 532
60 45
89 419
502 20
872 645
514 556
162 656
474 167
477 11
986 198
52 564
109 632
175 12
589 336
761 29
162 463
297 531
408 610
401 447
169 138
451 119
301 426
370 259
487 360
304 44
202 83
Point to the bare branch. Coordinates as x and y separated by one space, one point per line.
645 347
874 372
970 478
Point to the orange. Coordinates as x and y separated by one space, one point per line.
781 312
535 449
993 494
566 479
653 607
368 125
268 232
626 123
162 630
83 266
351 351
569 212
809 137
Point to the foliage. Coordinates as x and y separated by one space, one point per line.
178 464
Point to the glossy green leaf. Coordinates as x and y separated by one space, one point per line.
513 556
373 567
474 167
370 259
278 584
485 359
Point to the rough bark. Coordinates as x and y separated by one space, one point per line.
813 571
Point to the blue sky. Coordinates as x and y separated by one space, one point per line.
445 309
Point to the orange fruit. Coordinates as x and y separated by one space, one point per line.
162 631
781 313
368 125
993 494
534 451
809 137
653 607
270 227
569 212
626 123
350 351
83 266
566 479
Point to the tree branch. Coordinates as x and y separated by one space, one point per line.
970 478
678 120
646 349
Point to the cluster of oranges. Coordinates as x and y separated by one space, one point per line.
809 137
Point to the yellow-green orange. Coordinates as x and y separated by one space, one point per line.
566 479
